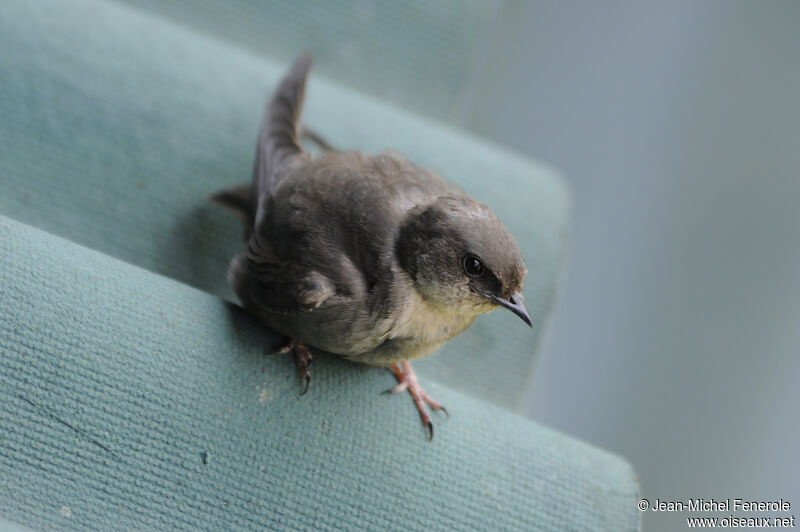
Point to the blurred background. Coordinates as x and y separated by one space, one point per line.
677 125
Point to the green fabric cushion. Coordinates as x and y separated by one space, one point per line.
8 526
116 124
115 380
420 54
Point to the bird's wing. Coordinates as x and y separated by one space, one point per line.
283 277
283 287
278 142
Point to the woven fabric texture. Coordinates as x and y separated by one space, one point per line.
116 125
131 401
136 397
8 526
416 53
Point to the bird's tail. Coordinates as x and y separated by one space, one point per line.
278 141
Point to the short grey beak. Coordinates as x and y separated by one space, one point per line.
514 304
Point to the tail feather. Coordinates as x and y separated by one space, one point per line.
278 144
279 137
239 199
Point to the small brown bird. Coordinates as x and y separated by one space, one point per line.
369 257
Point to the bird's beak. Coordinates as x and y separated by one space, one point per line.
514 304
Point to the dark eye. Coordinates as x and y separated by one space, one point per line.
472 266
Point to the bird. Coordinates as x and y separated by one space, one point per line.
370 257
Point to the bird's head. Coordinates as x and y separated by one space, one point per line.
462 257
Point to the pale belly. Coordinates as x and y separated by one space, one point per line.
418 332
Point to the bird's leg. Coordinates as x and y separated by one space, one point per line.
302 359
407 380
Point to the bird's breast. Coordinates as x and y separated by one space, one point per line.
423 322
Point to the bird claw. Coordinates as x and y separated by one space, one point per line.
302 359
403 386
407 380
285 349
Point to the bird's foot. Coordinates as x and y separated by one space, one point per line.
407 380
302 359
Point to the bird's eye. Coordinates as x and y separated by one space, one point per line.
473 266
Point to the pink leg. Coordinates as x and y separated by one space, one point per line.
407 380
